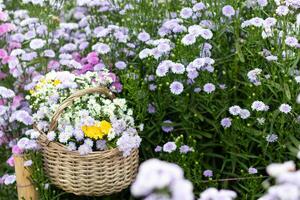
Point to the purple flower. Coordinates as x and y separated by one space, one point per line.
6 93
27 163
208 173
188 39
101 145
185 149
143 36
252 170
209 88
10 179
158 149
291 41
186 13
167 128
169 147
272 138
226 122
197 90
285 108
152 87
120 65
262 3
228 11
176 87
151 108
282 10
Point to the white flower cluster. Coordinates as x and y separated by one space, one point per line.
287 182
155 176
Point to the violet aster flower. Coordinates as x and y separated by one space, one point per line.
169 147
209 88
291 41
101 145
226 122
152 87
252 170
262 3
120 65
10 179
186 13
167 128
285 108
188 39
272 138
158 149
6 93
197 90
151 108
228 11
184 149
176 87
235 110
282 10
208 173
143 36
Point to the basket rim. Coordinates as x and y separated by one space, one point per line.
62 148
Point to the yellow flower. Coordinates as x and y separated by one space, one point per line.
97 131
31 91
56 82
105 127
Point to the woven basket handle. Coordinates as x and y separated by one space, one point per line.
67 102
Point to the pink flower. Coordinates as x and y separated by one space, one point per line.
2 75
16 150
76 56
117 86
93 59
14 45
6 59
3 53
17 101
6 27
3 16
53 65
11 161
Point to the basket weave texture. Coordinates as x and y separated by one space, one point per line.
96 174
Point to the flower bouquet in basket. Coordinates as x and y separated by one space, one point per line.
87 135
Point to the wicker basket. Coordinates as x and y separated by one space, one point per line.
96 174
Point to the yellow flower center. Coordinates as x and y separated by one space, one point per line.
97 131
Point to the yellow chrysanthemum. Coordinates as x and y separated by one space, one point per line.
97 131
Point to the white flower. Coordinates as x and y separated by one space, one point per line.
244 113
27 163
145 53
84 149
101 48
214 194
235 110
277 169
285 108
51 135
186 13
259 106
37 44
